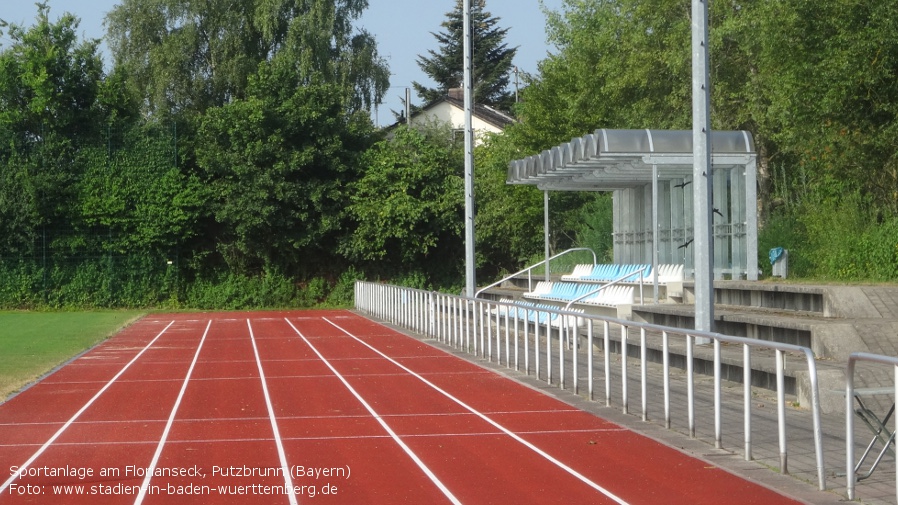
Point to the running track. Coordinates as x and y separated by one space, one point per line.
240 407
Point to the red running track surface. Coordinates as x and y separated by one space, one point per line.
323 407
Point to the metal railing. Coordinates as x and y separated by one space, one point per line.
529 270
852 468
620 280
527 334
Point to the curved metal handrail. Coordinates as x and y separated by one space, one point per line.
617 281
531 267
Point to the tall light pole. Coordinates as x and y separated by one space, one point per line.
470 278
702 175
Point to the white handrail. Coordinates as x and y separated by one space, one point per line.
617 281
529 269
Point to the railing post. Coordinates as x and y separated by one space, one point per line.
665 352
624 330
589 358
535 339
781 411
526 341
507 343
562 334
718 441
548 348
690 384
746 381
607 344
516 342
643 348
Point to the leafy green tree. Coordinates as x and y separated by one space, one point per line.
618 64
828 103
492 58
50 104
277 165
507 217
187 56
133 189
408 207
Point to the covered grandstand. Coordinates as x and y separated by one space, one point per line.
650 173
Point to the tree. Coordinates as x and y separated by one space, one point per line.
507 235
619 64
277 165
407 209
187 56
828 104
492 58
132 189
50 104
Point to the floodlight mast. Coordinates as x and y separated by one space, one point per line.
702 175
470 278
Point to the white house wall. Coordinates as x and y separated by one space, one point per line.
446 113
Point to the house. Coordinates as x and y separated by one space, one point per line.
451 109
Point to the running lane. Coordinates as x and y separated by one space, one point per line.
338 451
492 440
221 439
72 437
239 408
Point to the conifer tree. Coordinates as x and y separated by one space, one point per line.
492 58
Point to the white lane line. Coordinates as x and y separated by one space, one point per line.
171 419
288 480
86 406
495 424
317 417
430 475
327 437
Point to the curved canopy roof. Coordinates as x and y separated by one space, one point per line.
614 159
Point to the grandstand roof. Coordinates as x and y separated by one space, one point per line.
615 159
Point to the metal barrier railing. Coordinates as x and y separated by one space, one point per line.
529 270
616 282
481 327
877 427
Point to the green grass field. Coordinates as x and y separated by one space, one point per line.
33 343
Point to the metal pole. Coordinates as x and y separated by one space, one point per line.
546 232
408 106
656 232
702 175
470 280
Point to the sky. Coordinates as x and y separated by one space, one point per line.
403 29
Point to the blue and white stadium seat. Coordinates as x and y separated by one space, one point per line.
603 273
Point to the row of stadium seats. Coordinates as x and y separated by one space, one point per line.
602 273
530 311
611 296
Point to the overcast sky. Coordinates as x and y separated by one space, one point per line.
402 29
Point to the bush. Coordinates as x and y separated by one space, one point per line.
842 239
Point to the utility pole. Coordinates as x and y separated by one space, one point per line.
408 106
702 175
470 278
516 86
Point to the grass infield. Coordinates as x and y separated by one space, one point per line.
33 343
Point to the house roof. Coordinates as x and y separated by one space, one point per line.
485 113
